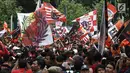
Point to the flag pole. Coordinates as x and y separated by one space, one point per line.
65 12
123 29
11 25
103 28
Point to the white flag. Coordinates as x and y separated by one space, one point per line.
2 32
48 39
22 18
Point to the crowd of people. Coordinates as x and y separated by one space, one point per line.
78 59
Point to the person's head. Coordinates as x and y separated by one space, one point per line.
100 69
49 57
35 66
55 69
88 60
59 59
22 63
6 58
110 67
78 62
97 57
38 64
84 69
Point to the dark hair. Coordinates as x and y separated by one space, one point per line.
5 71
22 63
60 58
41 63
112 63
51 54
97 57
99 66
89 58
6 58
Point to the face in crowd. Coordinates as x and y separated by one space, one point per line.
110 68
100 69
35 66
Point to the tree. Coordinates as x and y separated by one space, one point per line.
72 9
99 7
8 8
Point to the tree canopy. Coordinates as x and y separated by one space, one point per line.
8 8
71 8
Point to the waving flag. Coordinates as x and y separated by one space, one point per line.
88 21
83 34
52 14
38 32
113 30
111 9
2 32
58 24
22 18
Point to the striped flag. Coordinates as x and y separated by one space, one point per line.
83 34
112 33
111 10
114 29
88 21
52 14
124 31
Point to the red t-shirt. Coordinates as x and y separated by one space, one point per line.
22 70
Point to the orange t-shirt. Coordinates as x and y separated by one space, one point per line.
22 70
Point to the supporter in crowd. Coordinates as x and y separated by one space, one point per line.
110 67
38 66
100 69
88 61
84 69
21 66
76 59
97 60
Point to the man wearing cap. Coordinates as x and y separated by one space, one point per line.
84 69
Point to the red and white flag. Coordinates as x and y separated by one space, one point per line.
88 21
111 9
58 24
52 14
83 34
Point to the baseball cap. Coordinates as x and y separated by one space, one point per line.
84 67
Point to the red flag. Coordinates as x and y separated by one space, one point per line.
111 9
83 34
88 21
52 13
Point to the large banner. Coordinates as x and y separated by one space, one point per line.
22 18
48 39
114 30
111 9
88 21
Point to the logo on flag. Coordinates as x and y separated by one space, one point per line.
88 21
